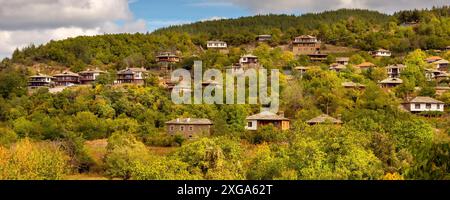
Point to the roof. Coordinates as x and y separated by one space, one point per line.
67 73
306 37
249 56
395 66
433 58
132 70
382 50
392 81
442 61
91 71
166 54
425 100
324 118
191 121
366 64
352 85
302 68
216 41
266 115
342 59
337 66
264 35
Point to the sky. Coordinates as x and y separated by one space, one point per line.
25 22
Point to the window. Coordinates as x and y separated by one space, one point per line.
191 128
172 128
438 106
250 124
428 106
417 106
181 128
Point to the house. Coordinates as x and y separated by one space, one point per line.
381 53
265 118
424 104
447 48
67 78
321 119
216 45
40 80
305 44
353 85
302 70
249 60
318 57
131 75
394 71
189 127
89 76
166 60
432 74
365 65
342 60
391 82
263 38
337 67
441 65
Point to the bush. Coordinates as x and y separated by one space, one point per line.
7 136
33 161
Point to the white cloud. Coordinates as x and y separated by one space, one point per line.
304 6
23 22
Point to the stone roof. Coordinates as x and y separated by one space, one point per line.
91 71
337 66
306 37
425 100
249 56
392 81
365 64
67 73
266 115
324 118
190 121
342 59
442 61
352 85
132 70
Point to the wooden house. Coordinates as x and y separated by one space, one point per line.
391 82
394 71
305 44
40 80
89 76
132 75
381 53
67 78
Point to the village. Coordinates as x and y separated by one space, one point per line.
304 45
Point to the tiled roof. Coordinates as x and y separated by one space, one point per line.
132 70
366 64
324 118
192 121
67 73
266 115
392 80
425 100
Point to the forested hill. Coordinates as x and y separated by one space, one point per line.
362 29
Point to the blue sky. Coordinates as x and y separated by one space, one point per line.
164 13
25 22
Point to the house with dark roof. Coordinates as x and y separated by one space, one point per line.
131 75
40 80
343 60
263 38
353 85
337 67
321 119
306 44
424 104
391 82
394 71
89 76
189 127
265 118
67 78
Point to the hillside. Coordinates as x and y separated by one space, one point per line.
361 29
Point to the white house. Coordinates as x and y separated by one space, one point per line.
216 45
382 53
423 104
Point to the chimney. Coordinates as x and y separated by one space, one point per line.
188 119
178 119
